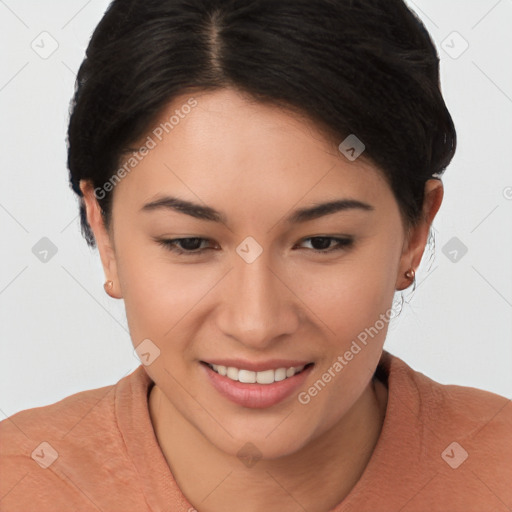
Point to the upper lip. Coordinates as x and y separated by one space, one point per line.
271 364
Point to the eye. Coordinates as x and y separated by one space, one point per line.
322 244
184 245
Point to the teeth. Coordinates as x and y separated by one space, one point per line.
232 373
249 377
281 374
266 377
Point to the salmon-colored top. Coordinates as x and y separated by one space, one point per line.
442 448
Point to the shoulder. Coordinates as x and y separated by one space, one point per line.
448 447
457 427
459 407
58 417
445 403
45 452
22 429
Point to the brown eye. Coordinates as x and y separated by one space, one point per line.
322 244
190 245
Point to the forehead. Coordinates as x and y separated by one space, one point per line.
209 143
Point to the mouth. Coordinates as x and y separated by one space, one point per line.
256 389
265 377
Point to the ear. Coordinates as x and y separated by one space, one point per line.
416 239
104 239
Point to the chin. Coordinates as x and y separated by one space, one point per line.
263 440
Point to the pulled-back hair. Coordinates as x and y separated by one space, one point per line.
363 67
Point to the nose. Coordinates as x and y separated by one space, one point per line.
258 305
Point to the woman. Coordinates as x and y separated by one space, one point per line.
260 177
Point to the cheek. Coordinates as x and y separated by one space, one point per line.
353 304
159 294
351 295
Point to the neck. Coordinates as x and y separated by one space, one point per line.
316 478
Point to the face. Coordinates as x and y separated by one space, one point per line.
254 283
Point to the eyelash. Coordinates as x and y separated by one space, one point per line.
171 245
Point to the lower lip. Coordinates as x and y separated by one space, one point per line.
256 396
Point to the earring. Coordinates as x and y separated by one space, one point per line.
108 287
410 275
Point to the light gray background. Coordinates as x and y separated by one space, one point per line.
60 333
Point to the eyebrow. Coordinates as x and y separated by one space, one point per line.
297 216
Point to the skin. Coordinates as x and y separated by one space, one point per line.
256 163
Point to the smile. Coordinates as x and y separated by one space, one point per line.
251 377
257 389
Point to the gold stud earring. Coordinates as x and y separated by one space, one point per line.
108 287
410 274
